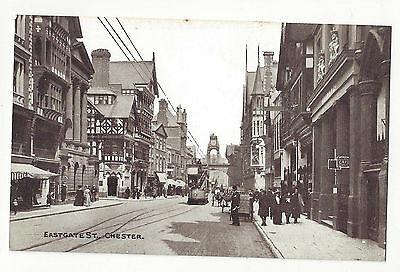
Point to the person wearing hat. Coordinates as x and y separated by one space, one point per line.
276 209
235 202
263 207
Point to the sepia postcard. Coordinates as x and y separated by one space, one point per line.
200 137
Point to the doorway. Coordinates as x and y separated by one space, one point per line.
112 184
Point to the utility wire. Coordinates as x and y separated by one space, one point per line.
133 57
159 85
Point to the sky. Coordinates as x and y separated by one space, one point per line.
200 65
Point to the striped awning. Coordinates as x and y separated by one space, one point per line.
21 170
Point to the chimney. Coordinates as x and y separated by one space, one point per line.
101 65
184 115
268 59
179 115
162 112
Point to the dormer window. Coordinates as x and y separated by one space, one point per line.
104 99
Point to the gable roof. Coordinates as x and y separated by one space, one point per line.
159 129
171 119
129 73
80 54
250 77
121 108
258 81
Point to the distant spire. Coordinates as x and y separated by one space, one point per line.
258 55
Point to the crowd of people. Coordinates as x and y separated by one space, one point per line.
289 202
274 204
85 196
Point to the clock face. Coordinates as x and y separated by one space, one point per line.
213 142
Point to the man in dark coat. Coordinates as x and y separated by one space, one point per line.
63 191
276 209
235 202
297 204
263 203
127 192
270 197
287 206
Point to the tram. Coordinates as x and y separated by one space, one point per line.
198 182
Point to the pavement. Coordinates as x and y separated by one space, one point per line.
103 202
311 240
61 209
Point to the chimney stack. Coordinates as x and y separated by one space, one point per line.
101 65
162 112
268 59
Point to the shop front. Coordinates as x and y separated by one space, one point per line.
30 186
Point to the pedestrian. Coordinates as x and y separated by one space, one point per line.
63 191
270 197
93 193
86 194
251 202
263 207
127 192
287 206
235 206
137 192
276 209
79 197
297 204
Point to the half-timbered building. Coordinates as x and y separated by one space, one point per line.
120 107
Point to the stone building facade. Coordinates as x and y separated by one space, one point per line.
176 128
51 73
256 134
295 84
348 109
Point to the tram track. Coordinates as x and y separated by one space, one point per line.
90 228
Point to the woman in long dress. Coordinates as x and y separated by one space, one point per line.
87 196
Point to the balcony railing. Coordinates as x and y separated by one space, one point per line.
44 153
19 40
20 149
18 98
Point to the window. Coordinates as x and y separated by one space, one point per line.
20 26
258 127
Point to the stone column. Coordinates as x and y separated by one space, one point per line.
368 118
326 175
84 120
342 176
316 170
354 153
69 104
77 114
383 174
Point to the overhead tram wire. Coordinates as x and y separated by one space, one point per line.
127 49
158 84
193 140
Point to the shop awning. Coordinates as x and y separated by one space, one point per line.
21 170
162 177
